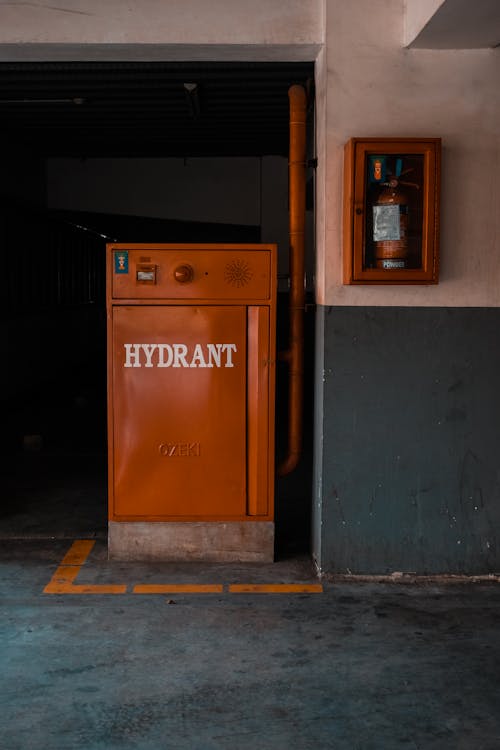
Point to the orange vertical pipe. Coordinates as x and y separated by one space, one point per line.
294 356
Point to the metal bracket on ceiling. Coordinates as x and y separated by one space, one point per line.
193 99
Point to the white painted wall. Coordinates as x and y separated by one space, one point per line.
455 24
376 87
161 29
161 21
418 13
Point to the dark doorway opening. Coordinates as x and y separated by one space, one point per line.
54 382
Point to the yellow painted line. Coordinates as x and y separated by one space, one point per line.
275 588
62 580
178 588
62 583
65 575
89 589
78 552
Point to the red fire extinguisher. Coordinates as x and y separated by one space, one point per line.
390 231
390 214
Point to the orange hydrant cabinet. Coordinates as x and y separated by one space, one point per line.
191 369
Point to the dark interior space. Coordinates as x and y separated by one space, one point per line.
53 305
185 109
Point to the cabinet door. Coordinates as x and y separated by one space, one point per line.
178 408
391 211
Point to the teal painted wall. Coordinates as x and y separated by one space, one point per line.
409 475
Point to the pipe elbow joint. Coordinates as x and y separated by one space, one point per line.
289 464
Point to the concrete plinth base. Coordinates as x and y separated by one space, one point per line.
234 541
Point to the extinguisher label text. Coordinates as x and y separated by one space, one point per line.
179 355
386 223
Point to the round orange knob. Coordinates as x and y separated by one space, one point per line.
184 274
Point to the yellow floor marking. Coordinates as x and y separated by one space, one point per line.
63 581
178 588
65 575
87 589
275 588
78 552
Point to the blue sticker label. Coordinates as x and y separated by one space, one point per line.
377 169
121 261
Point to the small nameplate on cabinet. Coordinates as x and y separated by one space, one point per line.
146 274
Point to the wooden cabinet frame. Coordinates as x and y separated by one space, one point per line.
423 155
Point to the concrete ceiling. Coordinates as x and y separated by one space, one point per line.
454 24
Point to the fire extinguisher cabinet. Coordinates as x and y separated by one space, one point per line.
391 210
191 369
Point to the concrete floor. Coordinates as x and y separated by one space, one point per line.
47 496
358 667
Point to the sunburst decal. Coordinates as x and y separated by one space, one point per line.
238 273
